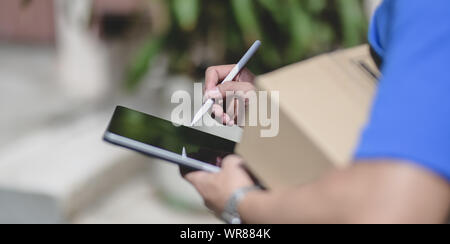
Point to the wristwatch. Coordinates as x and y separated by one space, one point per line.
231 214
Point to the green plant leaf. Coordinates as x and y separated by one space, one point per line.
246 17
275 9
290 30
316 6
352 21
301 32
324 38
186 12
270 55
143 61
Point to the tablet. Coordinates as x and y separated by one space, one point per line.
161 139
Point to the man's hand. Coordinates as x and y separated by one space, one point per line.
243 83
216 189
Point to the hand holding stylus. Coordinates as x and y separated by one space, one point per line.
214 90
235 71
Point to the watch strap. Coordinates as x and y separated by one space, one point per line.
231 213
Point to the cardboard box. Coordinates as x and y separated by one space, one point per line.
324 104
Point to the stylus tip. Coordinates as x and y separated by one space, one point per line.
197 117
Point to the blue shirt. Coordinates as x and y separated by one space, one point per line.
410 119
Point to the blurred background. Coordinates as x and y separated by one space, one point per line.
65 65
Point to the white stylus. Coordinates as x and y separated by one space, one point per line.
234 72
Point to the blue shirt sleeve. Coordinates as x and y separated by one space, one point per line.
410 119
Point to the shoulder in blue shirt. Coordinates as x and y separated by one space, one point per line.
410 119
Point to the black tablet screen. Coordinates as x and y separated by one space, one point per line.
165 135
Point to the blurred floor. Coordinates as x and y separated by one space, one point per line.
33 108
29 96
138 203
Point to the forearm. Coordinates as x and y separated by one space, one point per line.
371 193
305 204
